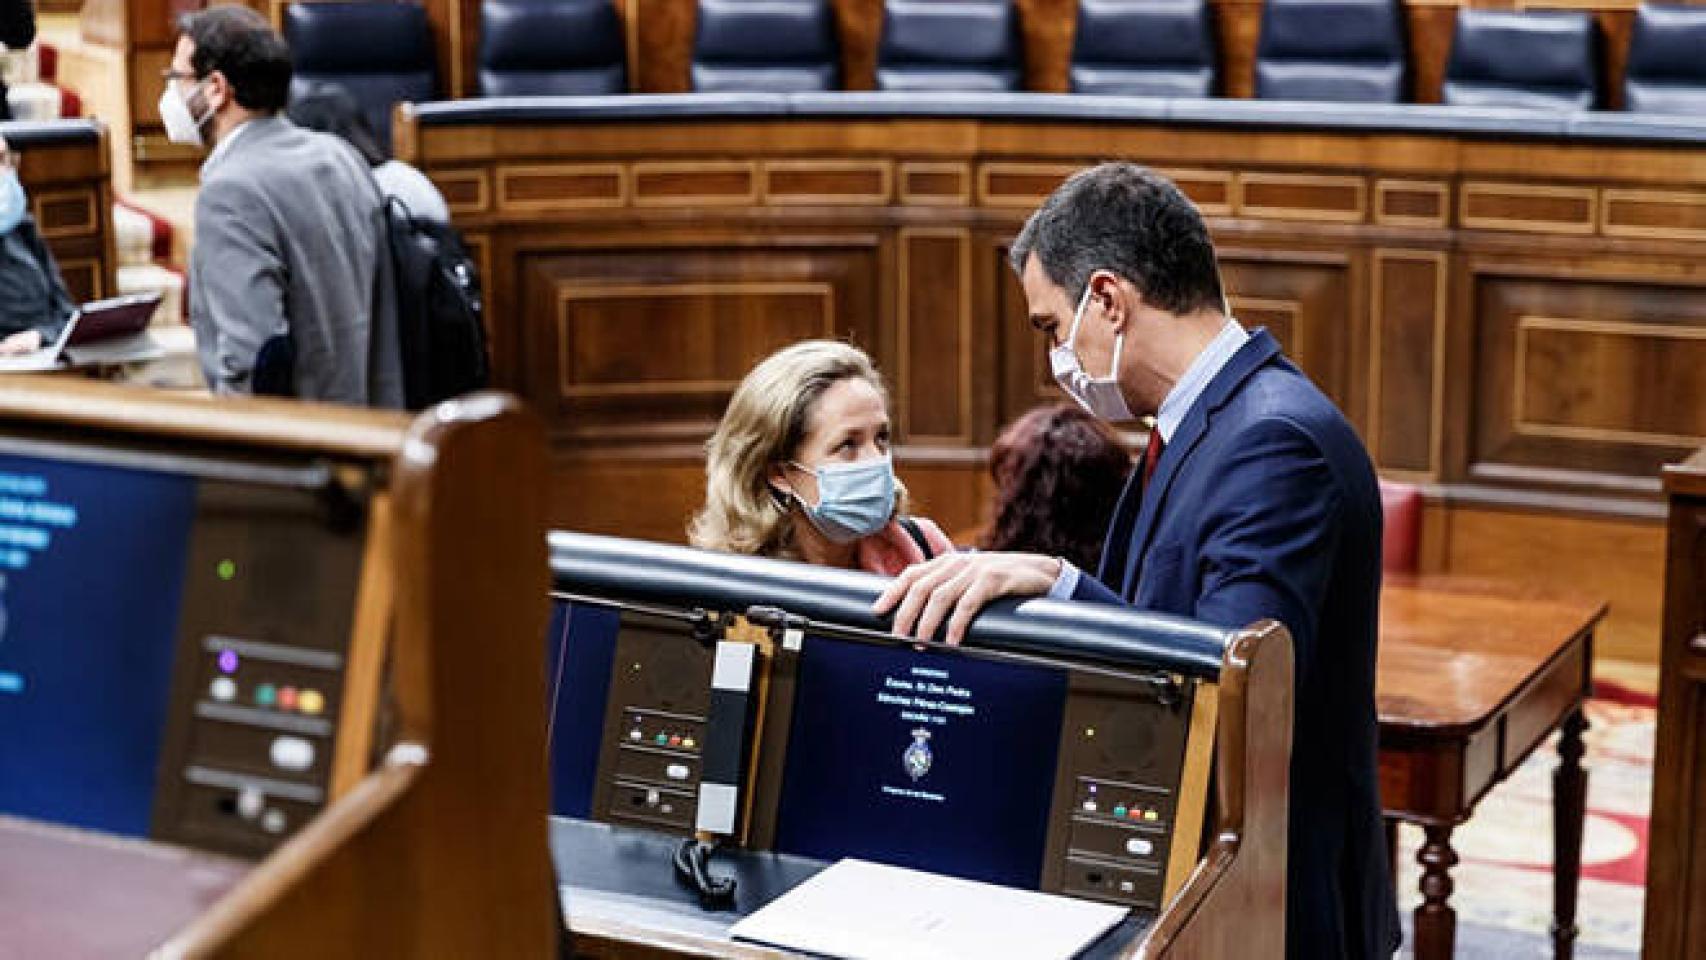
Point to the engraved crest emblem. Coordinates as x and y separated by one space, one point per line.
917 758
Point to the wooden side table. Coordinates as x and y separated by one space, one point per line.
1473 676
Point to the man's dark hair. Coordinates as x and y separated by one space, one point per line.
1132 221
329 108
241 44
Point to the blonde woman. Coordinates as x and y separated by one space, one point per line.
799 468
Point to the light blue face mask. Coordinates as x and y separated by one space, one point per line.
12 201
854 500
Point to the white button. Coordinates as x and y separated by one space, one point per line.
652 798
292 753
635 734
1126 886
1139 847
249 803
223 689
1089 806
273 822
676 771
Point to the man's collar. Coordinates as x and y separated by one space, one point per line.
1179 400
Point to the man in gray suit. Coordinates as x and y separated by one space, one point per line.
290 279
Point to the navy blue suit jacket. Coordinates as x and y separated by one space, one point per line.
1264 504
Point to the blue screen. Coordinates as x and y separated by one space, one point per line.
936 761
91 572
579 649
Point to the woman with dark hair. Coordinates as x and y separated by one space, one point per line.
1058 473
329 108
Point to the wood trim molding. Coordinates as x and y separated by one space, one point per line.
1436 380
960 196
1358 186
1386 188
89 224
643 197
1520 421
883 170
1613 226
1485 191
904 337
567 295
511 176
481 180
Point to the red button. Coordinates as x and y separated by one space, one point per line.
287 698
675 741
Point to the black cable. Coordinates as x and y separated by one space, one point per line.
693 868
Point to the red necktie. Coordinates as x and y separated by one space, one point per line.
1152 455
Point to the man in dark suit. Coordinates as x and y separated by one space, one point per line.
1256 499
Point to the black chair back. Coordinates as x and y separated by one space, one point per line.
1535 61
1666 72
766 46
382 53
969 45
551 48
1334 50
1144 48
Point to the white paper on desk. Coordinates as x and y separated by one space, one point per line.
870 911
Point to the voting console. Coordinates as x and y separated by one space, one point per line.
268 678
757 705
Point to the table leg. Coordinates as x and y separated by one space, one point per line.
1436 922
1569 810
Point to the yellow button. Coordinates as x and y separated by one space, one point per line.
310 702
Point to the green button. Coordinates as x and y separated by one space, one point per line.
266 695
1119 811
661 739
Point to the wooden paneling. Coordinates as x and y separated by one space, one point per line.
1588 376
1619 559
645 344
1676 869
935 336
1308 300
1518 327
1408 357
71 199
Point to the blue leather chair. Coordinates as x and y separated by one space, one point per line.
1535 61
382 53
766 46
1666 72
950 45
1144 48
1338 50
551 47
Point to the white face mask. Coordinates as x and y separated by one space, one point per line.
1100 397
181 125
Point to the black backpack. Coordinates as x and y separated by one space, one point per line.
439 310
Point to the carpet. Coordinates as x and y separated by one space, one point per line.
1503 890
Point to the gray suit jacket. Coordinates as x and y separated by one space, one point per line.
290 239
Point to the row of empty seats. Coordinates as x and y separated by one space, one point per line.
1318 50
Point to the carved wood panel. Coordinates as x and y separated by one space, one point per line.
1590 382
646 344
1408 358
1307 300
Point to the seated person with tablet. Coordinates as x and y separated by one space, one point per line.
34 304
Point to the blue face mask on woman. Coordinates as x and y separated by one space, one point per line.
854 500
13 204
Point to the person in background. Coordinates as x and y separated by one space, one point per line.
1058 472
800 468
329 108
34 304
17 31
290 284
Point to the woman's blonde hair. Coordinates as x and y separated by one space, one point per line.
765 423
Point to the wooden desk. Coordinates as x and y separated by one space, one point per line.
1473 676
